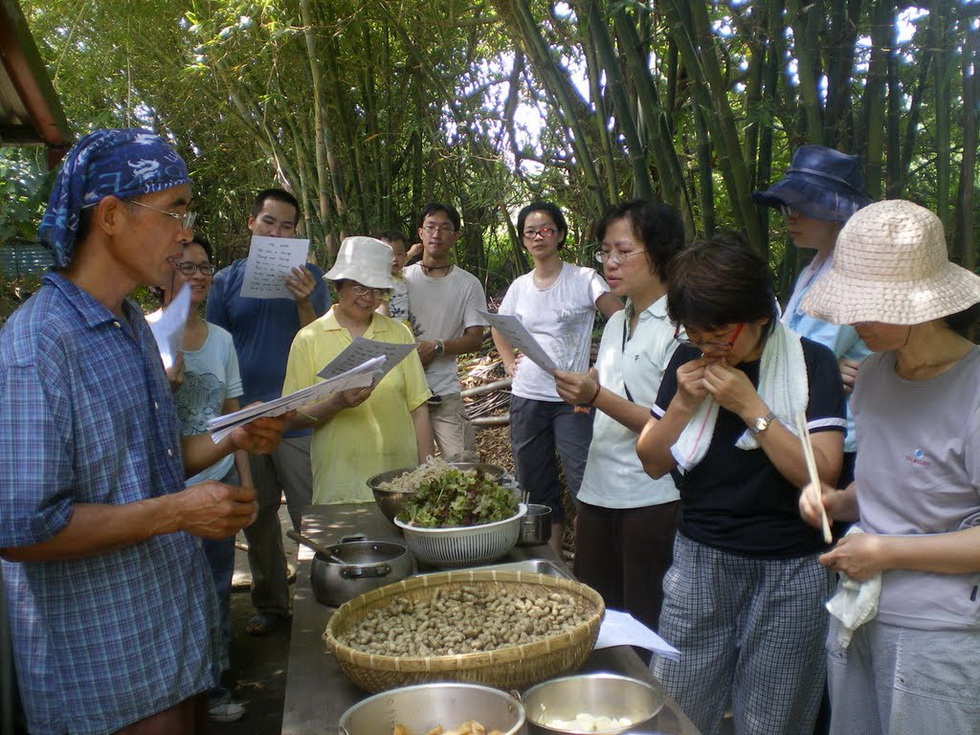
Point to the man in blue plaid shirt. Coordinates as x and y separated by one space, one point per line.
113 616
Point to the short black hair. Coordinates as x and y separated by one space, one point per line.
448 209
391 236
720 281
552 210
278 195
657 225
203 242
84 223
965 322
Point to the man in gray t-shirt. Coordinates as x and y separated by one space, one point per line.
443 312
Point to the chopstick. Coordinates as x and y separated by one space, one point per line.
811 468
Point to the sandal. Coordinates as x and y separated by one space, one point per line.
222 708
263 624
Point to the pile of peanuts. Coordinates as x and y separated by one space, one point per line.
465 619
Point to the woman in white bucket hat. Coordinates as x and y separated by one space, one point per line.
912 666
360 432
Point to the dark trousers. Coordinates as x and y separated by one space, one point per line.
623 554
538 431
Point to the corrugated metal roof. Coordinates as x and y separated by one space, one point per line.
30 111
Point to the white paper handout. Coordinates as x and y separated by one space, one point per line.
362 349
622 629
359 377
167 325
516 333
270 260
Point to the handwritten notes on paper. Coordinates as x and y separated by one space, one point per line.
167 325
359 377
361 350
516 333
270 260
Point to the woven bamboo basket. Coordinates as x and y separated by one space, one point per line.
512 667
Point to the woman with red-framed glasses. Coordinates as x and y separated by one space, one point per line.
556 302
743 599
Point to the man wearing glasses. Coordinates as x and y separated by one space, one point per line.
263 330
443 313
113 617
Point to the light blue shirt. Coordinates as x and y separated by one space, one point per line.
840 338
210 378
87 416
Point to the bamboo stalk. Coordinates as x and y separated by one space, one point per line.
806 22
661 147
943 73
601 116
963 240
615 87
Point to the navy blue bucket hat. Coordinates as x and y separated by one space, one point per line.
820 183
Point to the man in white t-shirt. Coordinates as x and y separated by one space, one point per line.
443 312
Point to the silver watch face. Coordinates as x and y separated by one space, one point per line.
761 423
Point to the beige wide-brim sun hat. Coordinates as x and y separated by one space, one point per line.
891 266
365 260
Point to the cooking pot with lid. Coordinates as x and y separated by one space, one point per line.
356 566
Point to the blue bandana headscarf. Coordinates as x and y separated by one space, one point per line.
124 163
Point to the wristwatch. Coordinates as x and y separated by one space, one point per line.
760 425
440 348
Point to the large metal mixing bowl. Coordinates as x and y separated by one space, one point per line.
610 695
391 501
424 706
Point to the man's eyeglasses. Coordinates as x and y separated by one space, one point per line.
615 256
706 346
186 219
787 211
188 268
543 231
379 293
432 229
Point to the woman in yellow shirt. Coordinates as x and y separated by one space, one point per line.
361 432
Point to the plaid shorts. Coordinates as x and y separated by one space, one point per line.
750 631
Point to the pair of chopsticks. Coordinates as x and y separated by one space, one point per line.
811 467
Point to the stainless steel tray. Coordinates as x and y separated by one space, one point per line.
538 566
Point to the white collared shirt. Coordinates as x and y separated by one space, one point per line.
614 477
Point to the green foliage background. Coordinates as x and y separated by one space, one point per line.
367 109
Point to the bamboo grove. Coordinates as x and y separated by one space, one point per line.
369 108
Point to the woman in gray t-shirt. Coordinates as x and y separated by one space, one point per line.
912 667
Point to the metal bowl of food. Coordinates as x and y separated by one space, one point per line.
589 703
391 499
417 710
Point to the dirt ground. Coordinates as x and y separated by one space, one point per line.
258 674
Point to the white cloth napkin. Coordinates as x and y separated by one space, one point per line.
854 603
783 385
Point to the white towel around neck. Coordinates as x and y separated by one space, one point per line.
783 385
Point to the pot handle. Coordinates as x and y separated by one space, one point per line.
381 570
353 537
